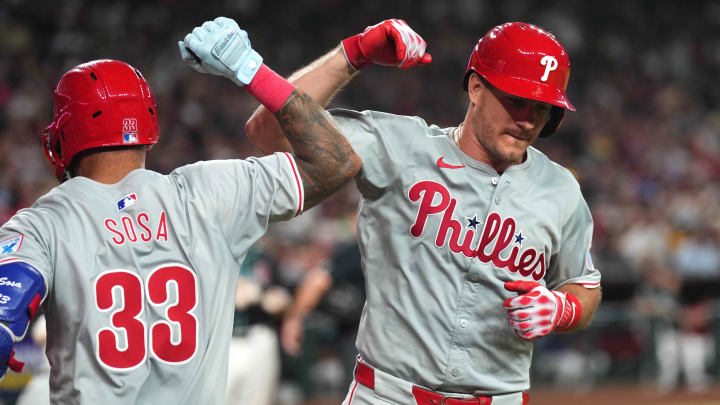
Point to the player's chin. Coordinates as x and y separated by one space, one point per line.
514 148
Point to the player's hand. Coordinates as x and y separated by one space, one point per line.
7 354
537 311
389 43
291 335
221 48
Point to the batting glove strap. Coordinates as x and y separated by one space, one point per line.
537 311
569 311
233 50
353 54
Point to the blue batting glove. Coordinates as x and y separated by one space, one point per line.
221 48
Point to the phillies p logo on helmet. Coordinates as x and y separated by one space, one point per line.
550 64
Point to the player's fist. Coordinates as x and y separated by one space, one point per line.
389 43
221 48
537 311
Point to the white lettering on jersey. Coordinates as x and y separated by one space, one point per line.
137 229
10 283
550 64
4 299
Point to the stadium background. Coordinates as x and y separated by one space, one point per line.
644 143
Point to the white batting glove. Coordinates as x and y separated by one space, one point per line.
221 48
539 311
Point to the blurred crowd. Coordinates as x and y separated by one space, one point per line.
644 142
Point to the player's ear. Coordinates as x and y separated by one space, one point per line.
476 85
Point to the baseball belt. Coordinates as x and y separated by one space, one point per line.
366 375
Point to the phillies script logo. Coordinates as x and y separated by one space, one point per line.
435 200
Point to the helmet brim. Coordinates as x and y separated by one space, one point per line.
521 87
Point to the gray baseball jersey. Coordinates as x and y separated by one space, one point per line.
439 234
142 275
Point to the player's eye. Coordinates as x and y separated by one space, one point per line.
542 109
517 102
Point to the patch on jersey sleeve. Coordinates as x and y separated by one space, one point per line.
127 201
11 245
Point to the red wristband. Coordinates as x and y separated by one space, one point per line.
269 88
353 52
572 311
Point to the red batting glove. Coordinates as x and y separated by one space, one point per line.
389 43
538 311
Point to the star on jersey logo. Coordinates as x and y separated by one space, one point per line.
473 222
519 238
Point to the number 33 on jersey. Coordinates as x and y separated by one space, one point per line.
128 340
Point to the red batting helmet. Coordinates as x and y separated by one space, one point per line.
99 104
525 61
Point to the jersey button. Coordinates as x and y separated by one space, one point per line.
497 200
494 181
475 277
463 323
455 372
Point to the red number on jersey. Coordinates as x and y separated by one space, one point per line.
124 346
162 344
126 350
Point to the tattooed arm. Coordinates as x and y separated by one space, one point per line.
325 158
321 80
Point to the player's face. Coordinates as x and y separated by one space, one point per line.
505 125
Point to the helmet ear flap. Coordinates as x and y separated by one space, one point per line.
556 116
51 143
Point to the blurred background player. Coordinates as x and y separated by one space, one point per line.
254 368
327 304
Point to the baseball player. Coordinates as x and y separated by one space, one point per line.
136 271
473 242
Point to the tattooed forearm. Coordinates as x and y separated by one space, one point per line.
325 158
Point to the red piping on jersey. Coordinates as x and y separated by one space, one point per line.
298 181
590 285
352 393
